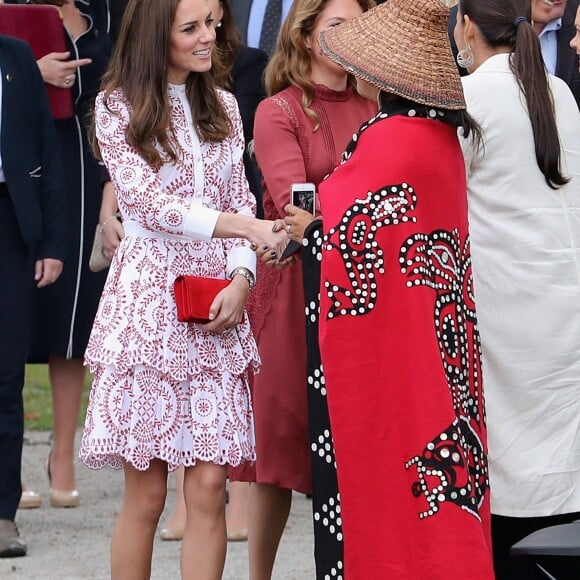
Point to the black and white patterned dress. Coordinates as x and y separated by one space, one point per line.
325 496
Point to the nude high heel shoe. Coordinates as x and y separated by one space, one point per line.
171 534
237 535
29 500
60 498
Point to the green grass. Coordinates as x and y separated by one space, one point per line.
38 400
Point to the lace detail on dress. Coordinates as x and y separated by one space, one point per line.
136 322
267 280
140 415
163 388
288 107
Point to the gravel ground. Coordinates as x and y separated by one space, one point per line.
69 544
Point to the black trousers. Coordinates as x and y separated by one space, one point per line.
16 294
507 531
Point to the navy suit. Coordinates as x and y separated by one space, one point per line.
247 75
567 61
117 9
32 226
241 13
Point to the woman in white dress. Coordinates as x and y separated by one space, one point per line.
524 213
168 393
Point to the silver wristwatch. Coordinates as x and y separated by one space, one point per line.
247 274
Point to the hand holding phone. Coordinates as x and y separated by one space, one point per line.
302 196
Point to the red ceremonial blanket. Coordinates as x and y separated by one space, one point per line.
401 354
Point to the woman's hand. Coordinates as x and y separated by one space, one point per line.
270 258
227 309
111 228
257 232
269 236
296 222
113 233
56 70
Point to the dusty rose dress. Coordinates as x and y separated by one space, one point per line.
288 151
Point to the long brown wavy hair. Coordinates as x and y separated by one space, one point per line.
139 67
290 64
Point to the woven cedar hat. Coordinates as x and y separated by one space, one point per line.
400 47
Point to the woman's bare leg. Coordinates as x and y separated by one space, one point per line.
173 527
203 553
269 507
66 381
132 542
237 510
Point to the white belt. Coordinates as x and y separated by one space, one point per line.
134 229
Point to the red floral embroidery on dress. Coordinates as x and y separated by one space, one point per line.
165 389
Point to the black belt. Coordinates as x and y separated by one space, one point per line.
3 189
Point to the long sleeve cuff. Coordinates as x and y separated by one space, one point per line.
241 257
200 222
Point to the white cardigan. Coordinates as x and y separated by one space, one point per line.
526 265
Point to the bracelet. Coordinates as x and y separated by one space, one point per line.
115 216
247 274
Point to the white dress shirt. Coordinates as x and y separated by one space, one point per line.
549 44
525 245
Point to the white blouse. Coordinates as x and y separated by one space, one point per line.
526 265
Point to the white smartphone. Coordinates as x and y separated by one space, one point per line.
303 195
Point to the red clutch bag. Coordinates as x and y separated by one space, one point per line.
41 26
194 296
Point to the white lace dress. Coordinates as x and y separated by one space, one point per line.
162 388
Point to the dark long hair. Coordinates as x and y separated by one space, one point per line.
496 21
139 67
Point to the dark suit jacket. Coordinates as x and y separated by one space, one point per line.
117 9
247 77
567 60
241 13
29 147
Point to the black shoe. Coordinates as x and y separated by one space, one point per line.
11 546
